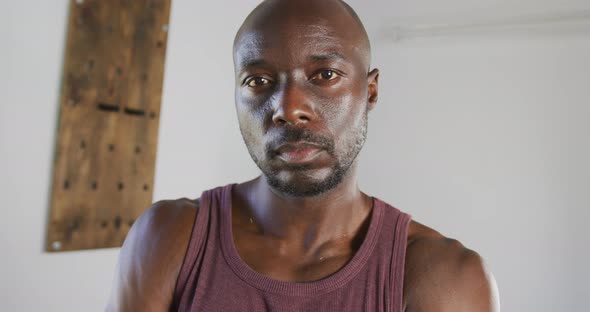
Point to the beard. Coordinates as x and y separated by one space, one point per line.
301 184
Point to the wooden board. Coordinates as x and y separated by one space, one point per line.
105 156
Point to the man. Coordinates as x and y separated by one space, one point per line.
302 236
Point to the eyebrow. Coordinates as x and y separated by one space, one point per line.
252 62
327 57
256 62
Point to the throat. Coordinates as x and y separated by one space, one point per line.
313 221
298 240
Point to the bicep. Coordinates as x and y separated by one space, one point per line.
472 288
468 287
454 279
149 261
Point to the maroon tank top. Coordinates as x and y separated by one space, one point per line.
213 277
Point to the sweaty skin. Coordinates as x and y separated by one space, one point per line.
303 90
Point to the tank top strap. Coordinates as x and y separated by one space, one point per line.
208 203
400 222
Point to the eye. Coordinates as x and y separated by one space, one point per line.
326 74
257 82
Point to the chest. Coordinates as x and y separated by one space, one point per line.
368 290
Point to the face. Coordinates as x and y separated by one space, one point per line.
302 94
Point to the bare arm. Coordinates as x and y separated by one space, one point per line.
151 257
442 275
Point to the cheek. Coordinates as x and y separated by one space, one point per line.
251 121
344 118
344 112
248 126
252 111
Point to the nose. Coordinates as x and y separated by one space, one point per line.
292 107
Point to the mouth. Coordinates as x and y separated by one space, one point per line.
298 152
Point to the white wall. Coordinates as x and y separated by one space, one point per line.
487 133
483 137
486 138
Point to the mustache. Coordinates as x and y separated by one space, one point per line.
290 135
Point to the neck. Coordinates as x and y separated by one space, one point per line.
311 221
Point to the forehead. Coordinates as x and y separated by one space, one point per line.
293 41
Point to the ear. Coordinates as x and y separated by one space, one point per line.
373 88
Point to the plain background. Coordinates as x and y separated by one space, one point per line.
480 134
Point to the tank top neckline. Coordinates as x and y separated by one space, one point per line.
324 285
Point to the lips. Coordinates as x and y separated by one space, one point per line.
297 153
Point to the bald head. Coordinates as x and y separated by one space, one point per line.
319 20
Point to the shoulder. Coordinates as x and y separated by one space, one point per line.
166 218
163 230
443 275
152 254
